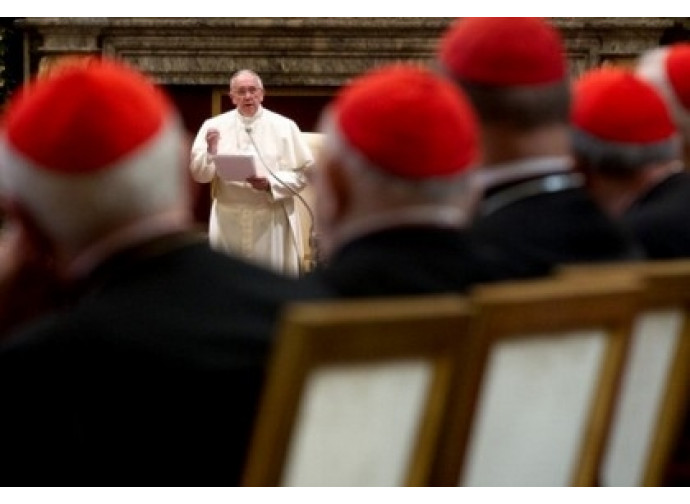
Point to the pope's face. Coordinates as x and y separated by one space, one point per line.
246 94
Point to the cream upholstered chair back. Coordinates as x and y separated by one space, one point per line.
652 403
513 385
553 353
356 392
314 141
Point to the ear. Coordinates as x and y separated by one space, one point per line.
333 201
340 188
579 164
30 284
36 244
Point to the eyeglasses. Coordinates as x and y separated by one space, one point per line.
244 90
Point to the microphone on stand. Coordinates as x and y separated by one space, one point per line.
311 259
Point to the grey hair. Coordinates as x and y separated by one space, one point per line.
74 209
522 106
619 158
435 189
247 71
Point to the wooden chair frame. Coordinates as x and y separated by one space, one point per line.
666 285
326 333
512 309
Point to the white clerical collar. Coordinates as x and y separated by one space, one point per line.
248 121
493 175
551 183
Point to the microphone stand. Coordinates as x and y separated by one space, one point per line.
311 258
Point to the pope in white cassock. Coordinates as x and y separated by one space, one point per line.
255 218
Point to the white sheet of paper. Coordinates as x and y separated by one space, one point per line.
235 167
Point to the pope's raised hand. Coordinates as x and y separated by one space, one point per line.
212 137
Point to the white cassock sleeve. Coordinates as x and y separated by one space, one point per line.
295 159
201 167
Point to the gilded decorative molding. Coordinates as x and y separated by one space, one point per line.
306 52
